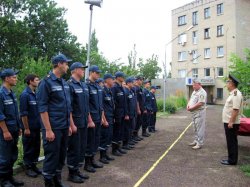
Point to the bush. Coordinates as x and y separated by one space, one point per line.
172 103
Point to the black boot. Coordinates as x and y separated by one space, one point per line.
108 157
36 169
5 183
125 145
115 151
58 180
88 166
121 150
145 134
49 183
103 158
74 177
95 164
82 175
16 182
30 172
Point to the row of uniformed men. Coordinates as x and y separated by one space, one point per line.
95 114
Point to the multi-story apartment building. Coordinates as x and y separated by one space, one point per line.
207 32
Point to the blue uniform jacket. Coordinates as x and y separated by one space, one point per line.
140 97
53 96
119 98
95 100
28 107
154 103
9 109
131 103
108 104
148 98
79 93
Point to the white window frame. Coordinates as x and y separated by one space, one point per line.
205 72
195 37
195 72
195 56
207 13
182 38
195 18
182 20
182 56
220 9
207 53
220 51
182 73
206 33
220 30
218 72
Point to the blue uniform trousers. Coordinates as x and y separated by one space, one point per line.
55 153
31 147
118 130
145 121
8 154
76 149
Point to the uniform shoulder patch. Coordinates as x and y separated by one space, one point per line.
235 93
202 96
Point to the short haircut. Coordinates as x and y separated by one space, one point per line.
30 77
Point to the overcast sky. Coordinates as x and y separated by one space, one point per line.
120 24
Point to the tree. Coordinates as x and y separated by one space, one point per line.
33 29
150 69
241 69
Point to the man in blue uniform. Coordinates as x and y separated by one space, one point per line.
54 106
80 111
140 106
9 129
120 105
108 107
151 128
96 112
130 113
147 108
31 126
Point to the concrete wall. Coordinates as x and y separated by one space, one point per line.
173 87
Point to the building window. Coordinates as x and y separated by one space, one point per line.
207 72
220 9
195 18
220 30
182 56
195 37
182 73
220 72
181 20
207 53
182 39
207 33
195 72
220 51
219 93
207 13
195 56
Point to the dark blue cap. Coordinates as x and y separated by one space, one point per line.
95 68
153 87
119 74
77 65
139 77
8 72
146 81
99 80
130 79
60 58
108 76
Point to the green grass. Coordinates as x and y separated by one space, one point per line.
173 103
246 169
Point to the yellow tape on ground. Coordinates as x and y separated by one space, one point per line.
158 161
